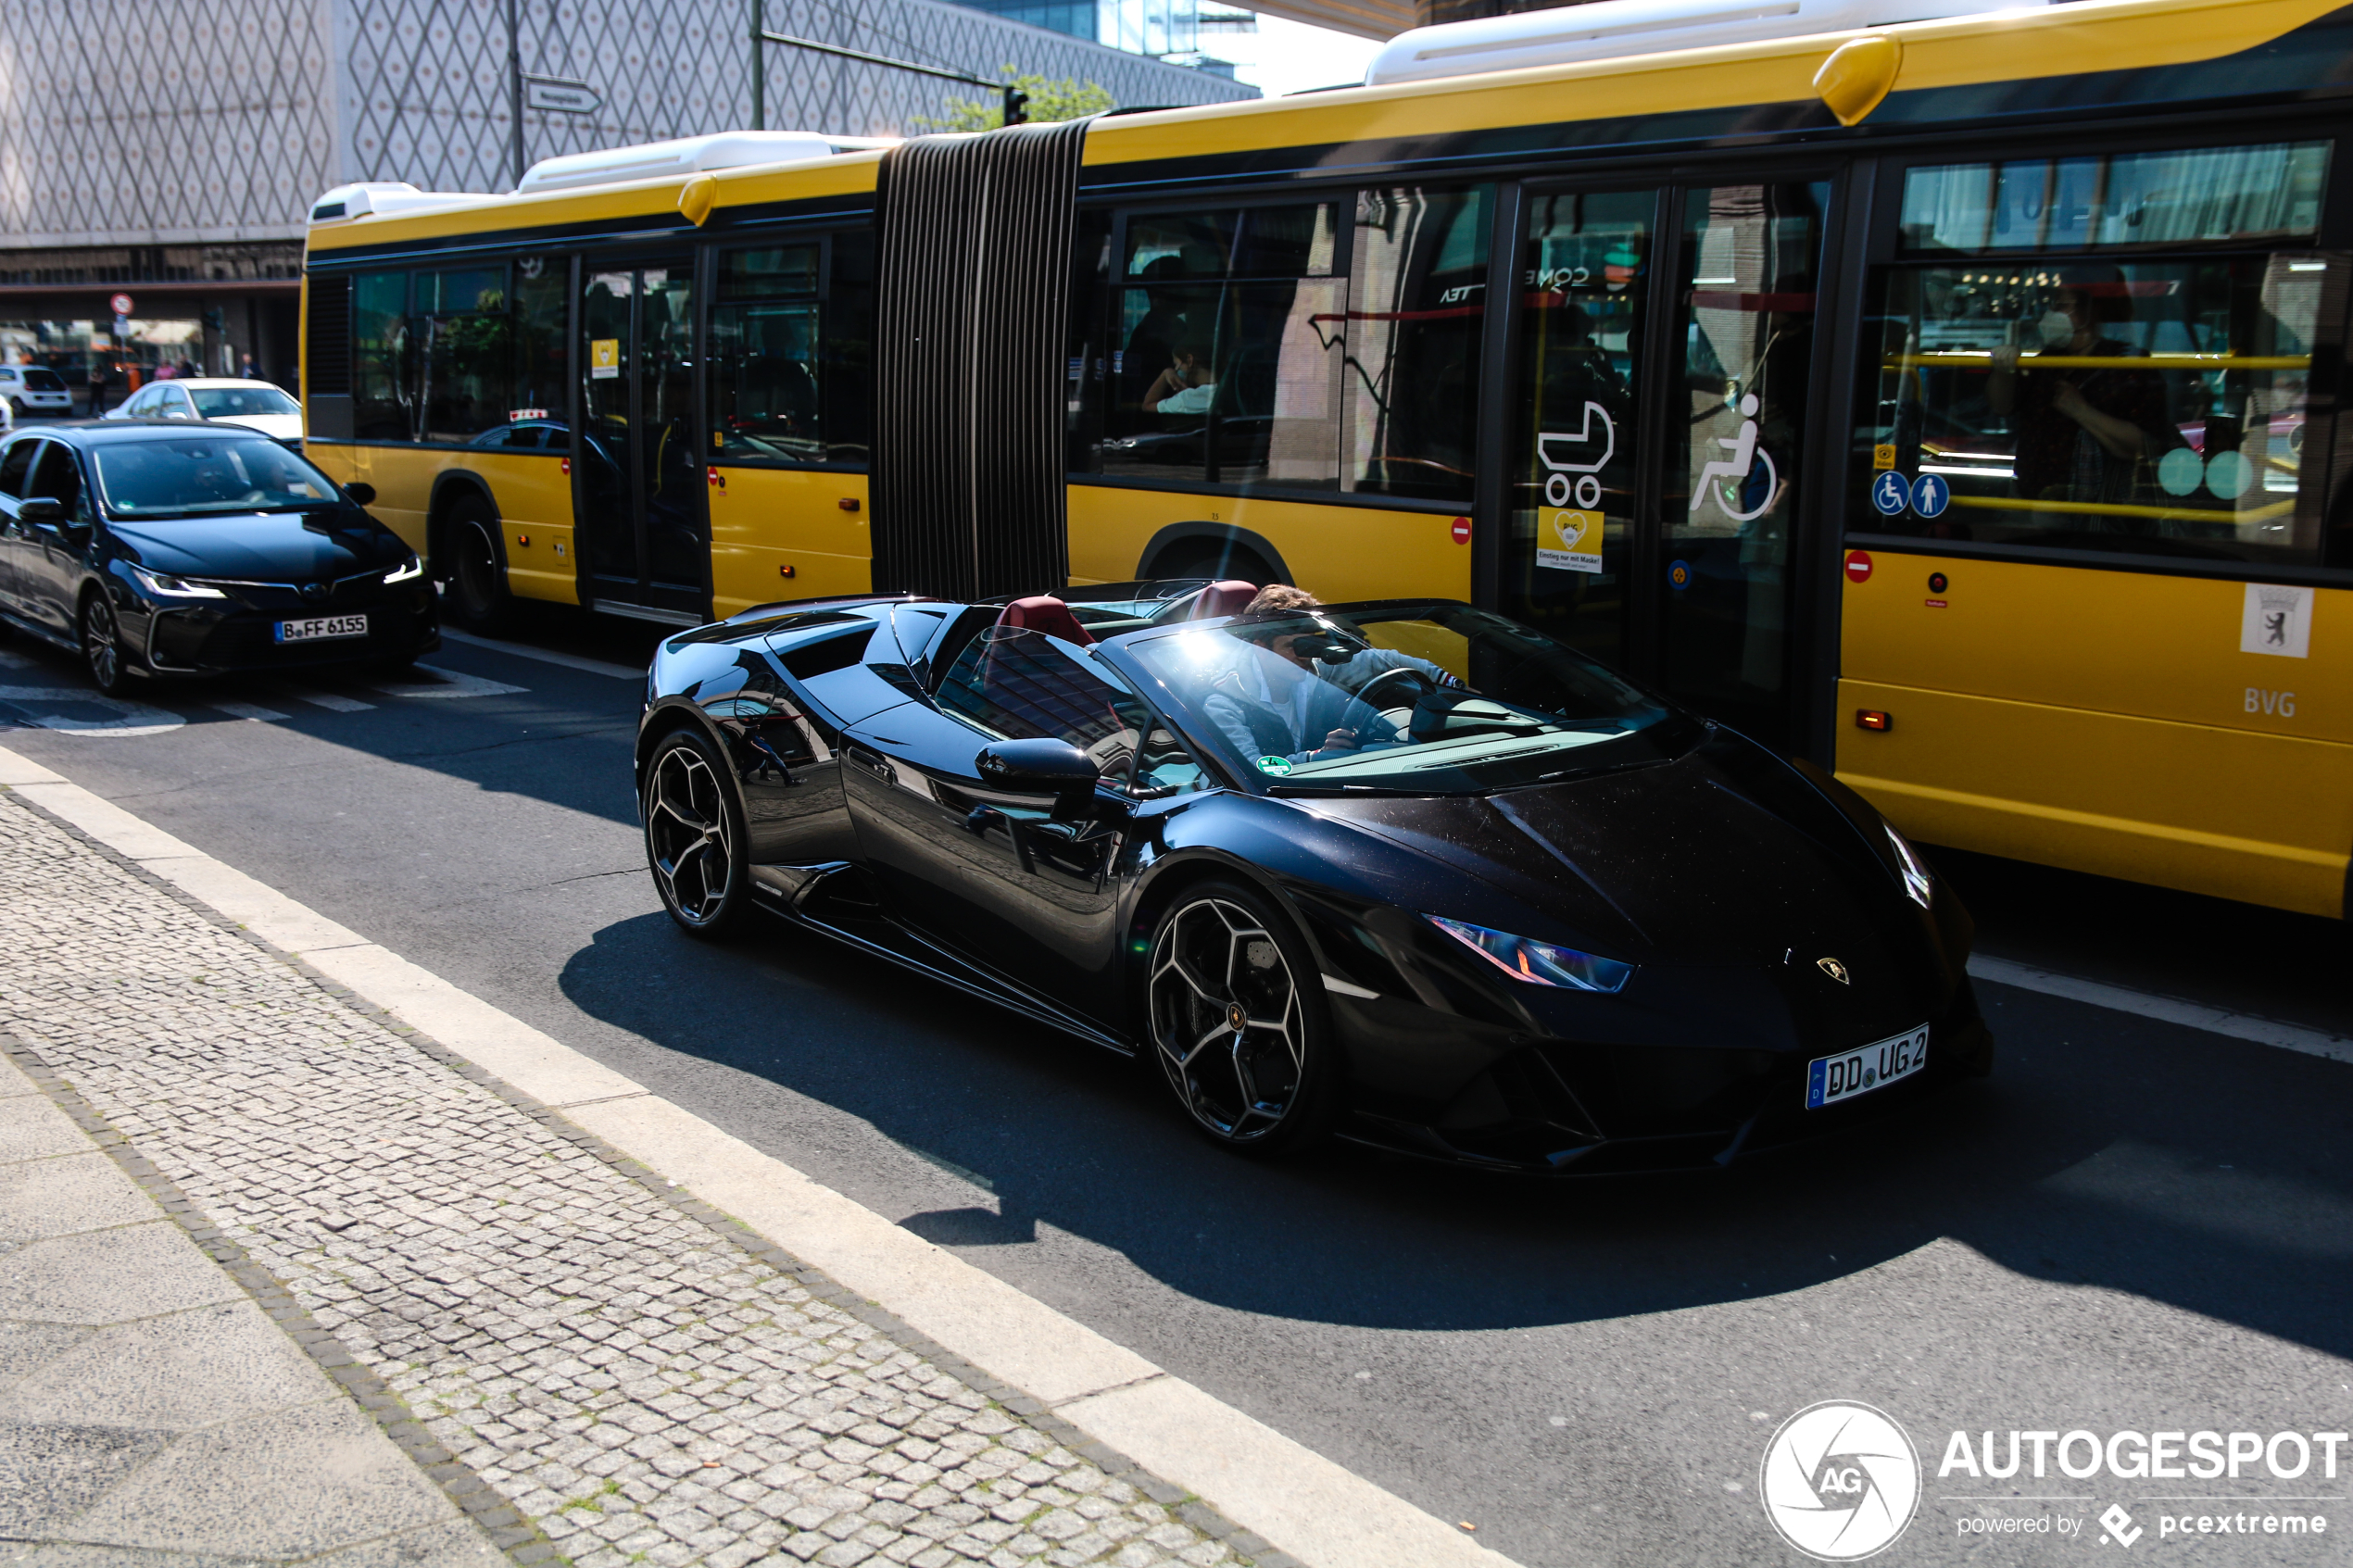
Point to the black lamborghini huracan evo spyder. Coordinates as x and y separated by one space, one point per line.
1407 871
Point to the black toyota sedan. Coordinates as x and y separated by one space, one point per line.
1407 871
162 550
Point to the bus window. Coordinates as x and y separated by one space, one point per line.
1731 488
1417 287
1226 333
2195 196
1587 270
789 377
543 305
382 405
464 333
2154 407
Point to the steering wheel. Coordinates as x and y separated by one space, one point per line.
1419 679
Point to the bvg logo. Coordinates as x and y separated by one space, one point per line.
1841 1481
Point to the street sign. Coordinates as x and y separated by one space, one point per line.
565 97
119 305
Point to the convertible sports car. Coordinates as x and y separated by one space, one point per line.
1405 872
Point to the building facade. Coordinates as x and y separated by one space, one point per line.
169 154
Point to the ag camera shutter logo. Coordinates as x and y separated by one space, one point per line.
1841 1481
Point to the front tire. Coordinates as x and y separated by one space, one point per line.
1237 1021
477 599
102 651
695 836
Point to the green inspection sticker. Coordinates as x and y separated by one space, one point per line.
1277 766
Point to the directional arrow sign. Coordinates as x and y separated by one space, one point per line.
566 98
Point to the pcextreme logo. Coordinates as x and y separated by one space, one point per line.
1841 1481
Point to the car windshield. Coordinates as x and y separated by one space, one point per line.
1412 698
205 475
240 402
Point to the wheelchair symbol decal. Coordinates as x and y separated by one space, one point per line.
1890 494
1735 470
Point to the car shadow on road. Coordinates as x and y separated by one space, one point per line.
2107 1150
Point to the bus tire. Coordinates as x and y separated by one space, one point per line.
477 598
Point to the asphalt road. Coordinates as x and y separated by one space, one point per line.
2133 1225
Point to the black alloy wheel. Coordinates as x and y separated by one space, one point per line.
102 651
1237 1021
695 836
478 600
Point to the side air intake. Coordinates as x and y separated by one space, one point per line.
972 291
1609 29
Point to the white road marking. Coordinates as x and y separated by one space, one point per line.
545 656
2171 1009
446 684
332 702
1297 1500
247 710
42 705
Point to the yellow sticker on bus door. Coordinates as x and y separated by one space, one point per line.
1569 539
604 359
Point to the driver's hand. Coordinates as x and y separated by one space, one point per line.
2003 358
1340 740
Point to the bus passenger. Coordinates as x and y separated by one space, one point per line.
2081 434
1185 387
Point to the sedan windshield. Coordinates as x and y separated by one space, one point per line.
206 475
241 402
1417 698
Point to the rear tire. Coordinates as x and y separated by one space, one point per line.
477 597
103 653
1237 1021
694 839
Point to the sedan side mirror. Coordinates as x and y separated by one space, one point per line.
362 494
1038 766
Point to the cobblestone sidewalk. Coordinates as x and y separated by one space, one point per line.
633 1385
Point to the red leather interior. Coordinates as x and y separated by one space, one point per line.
1229 597
1045 613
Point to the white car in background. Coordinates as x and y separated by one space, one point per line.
35 389
257 405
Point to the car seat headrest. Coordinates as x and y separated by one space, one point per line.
1230 597
1043 612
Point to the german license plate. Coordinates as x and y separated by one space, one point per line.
324 628
1830 1079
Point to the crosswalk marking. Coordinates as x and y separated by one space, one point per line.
247 710
327 700
446 684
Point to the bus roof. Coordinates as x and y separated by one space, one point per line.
1678 94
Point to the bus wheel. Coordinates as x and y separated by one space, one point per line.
477 597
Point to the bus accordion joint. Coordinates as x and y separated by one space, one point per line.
1872 718
1858 76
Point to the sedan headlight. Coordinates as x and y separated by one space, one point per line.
163 585
407 573
1915 874
1539 963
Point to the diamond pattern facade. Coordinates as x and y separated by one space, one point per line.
123 122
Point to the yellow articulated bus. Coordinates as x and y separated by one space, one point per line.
1955 402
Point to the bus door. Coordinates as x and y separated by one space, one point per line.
637 475
1665 355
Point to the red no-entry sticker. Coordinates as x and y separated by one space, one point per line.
1858 566
1462 531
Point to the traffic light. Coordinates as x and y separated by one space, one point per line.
1016 106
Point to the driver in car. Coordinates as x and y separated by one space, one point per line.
1277 706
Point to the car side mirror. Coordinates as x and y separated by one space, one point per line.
362 494
41 511
1039 767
